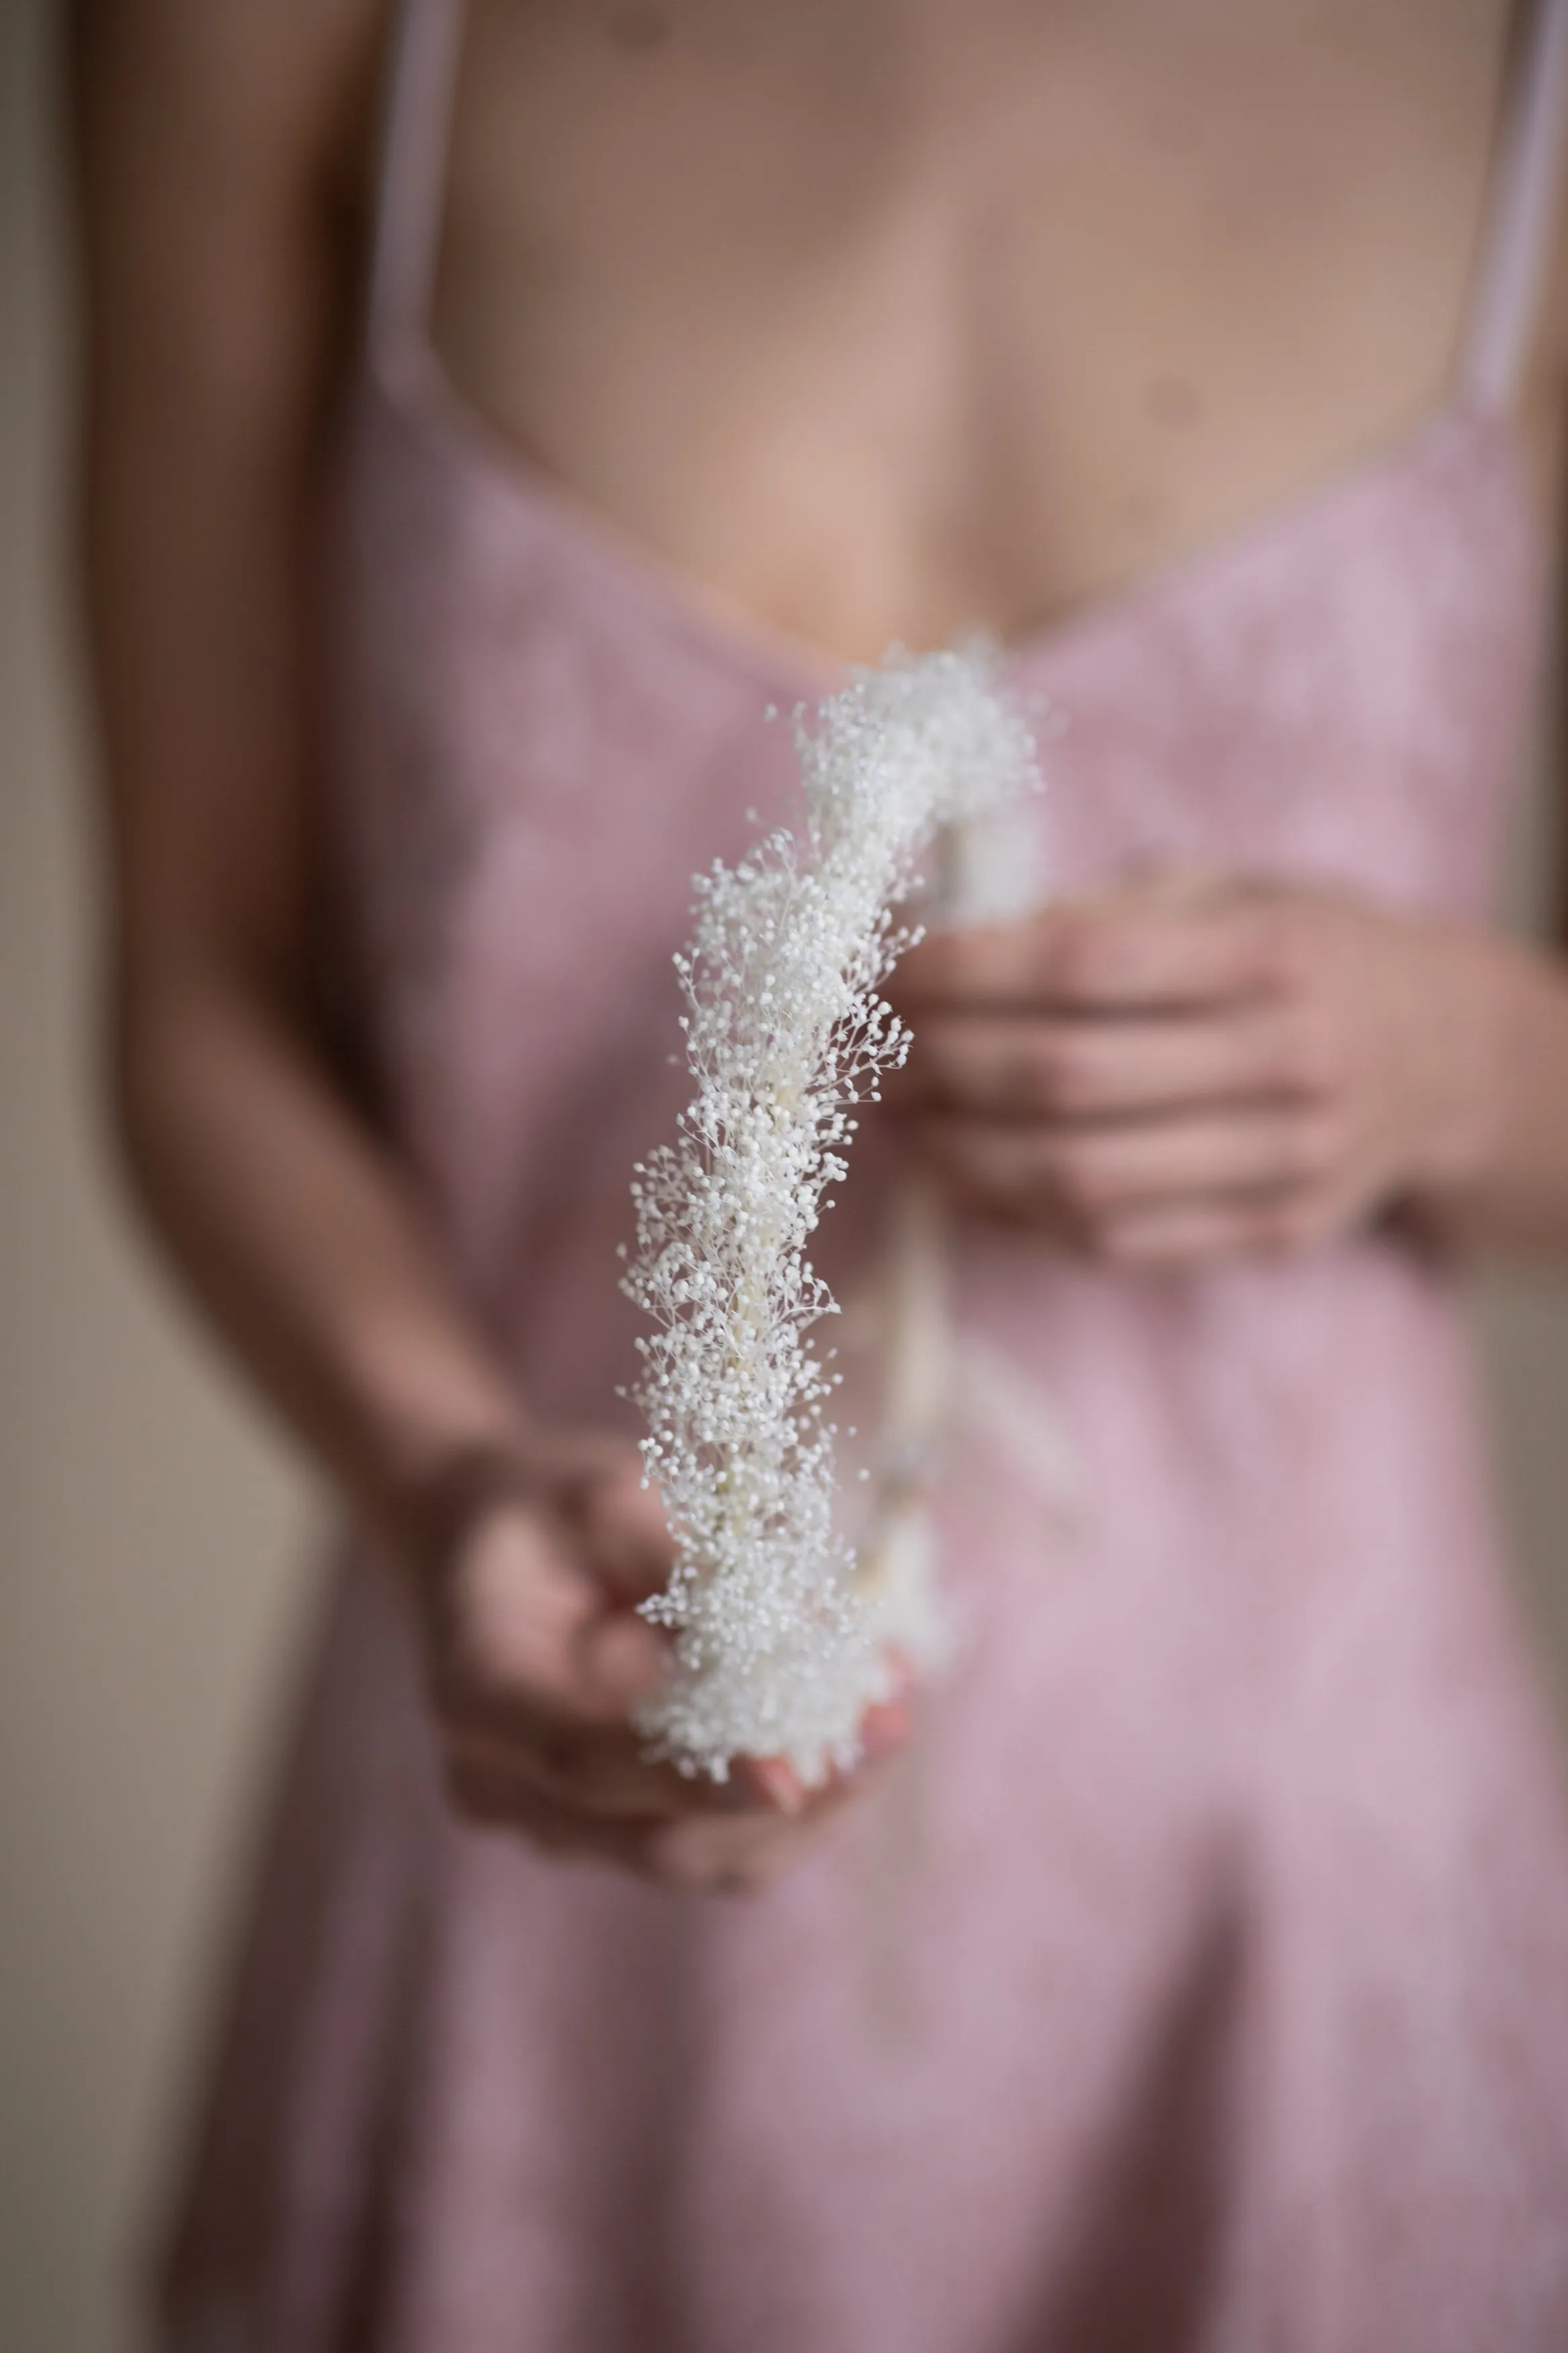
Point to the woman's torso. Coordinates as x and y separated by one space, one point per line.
551 681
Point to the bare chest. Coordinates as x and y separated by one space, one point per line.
888 318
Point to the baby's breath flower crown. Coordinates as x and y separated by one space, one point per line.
774 1649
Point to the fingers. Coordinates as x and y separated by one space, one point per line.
738 1851
1004 1067
1090 1177
536 1674
624 1531
606 1774
1138 951
749 1850
681 1833
489 1796
540 1676
1181 1069
739 1858
539 1662
598 1776
885 1728
537 1677
528 1628
1187 1233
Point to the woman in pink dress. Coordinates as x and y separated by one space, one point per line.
1189 1970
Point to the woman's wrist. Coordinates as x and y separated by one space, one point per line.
424 1519
439 1511
1492 1164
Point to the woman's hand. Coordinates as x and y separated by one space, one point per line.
529 1574
1187 1070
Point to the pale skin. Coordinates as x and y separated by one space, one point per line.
819 305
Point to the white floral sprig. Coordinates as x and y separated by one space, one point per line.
774 1649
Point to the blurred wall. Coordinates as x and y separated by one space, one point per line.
150 1529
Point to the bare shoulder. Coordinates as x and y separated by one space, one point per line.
218 151
201 130
278 75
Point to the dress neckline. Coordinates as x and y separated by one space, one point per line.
400 358
408 374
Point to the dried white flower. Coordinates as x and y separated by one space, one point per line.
776 1652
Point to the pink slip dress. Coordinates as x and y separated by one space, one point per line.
1199 1984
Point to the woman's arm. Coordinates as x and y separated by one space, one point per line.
1201 1070
212 145
215 148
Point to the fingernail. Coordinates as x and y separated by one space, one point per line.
901 1667
780 1783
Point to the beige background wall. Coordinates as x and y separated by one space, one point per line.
150 1528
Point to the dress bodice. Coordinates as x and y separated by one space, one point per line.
539 737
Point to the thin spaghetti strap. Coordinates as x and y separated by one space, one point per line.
421 66
1522 214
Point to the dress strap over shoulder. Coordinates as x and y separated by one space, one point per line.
1523 209
421 67
1516 250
